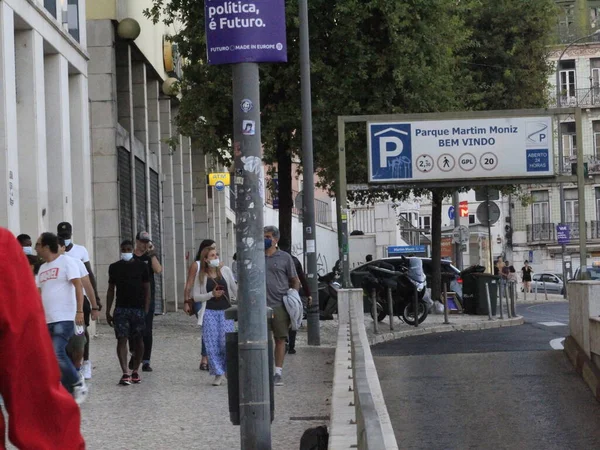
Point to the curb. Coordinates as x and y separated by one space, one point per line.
583 365
484 325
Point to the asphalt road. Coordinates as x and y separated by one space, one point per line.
502 388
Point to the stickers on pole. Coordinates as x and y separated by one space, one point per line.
245 31
455 149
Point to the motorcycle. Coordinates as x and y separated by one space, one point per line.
328 294
404 283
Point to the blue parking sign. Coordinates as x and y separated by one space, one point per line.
390 151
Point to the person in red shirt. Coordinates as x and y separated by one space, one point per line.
43 415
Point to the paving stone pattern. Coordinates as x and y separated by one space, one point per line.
176 407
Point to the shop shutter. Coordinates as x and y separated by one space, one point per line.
141 212
156 233
125 200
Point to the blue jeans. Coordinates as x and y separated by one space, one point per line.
61 332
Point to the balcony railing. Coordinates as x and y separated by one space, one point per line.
574 229
593 164
541 232
586 97
595 229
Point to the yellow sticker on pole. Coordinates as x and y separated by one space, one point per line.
223 177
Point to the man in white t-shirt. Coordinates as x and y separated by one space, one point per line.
65 231
59 281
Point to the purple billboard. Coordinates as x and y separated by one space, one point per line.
245 31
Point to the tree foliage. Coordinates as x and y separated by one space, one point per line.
370 57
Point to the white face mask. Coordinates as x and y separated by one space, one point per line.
214 262
68 242
126 256
28 250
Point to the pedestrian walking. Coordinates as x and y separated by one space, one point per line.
26 244
513 280
215 286
130 279
504 277
144 252
65 230
41 413
526 273
198 308
281 276
76 345
305 293
59 281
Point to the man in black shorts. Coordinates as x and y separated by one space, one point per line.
131 280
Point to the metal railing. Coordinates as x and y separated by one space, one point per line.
595 229
541 232
409 232
585 97
593 164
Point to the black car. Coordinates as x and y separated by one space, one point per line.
454 285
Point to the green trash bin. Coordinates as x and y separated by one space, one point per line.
480 300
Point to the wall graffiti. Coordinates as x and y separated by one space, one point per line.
322 264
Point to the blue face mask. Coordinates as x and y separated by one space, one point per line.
268 243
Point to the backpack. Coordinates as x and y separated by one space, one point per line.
316 438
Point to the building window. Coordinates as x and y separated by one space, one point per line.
425 222
73 18
566 27
540 207
50 5
568 83
571 205
471 219
569 139
597 190
594 17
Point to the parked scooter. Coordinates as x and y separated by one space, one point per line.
328 294
403 283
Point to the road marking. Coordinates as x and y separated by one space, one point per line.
553 324
557 344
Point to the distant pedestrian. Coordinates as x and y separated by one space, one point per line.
65 230
369 258
27 245
215 286
197 308
526 273
59 281
281 277
130 279
41 413
144 252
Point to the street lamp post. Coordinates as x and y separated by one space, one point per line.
561 163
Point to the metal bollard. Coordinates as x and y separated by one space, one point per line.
513 303
446 321
391 308
489 301
545 291
508 299
524 293
374 312
500 305
535 292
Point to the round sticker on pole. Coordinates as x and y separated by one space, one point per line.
246 105
219 185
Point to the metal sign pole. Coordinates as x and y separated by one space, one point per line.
581 197
342 205
309 225
255 415
458 257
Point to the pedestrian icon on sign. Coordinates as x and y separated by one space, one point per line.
446 162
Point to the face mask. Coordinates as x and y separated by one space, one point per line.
268 243
68 242
214 262
126 256
28 250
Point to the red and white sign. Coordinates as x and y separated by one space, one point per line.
464 209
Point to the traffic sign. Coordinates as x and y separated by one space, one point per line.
463 208
488 207
451 212
460 235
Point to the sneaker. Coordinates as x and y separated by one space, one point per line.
135 378
86 369
146 367
125 380
278 380
218 380
81 377
80 392
292 351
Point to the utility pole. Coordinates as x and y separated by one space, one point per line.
581 197
255 415
458 257
309 225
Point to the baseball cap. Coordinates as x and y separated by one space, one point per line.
143 236
64 229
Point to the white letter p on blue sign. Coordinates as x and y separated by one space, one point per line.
389 147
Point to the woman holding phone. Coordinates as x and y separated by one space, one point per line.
215 286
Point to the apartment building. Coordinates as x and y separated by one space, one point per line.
45 167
